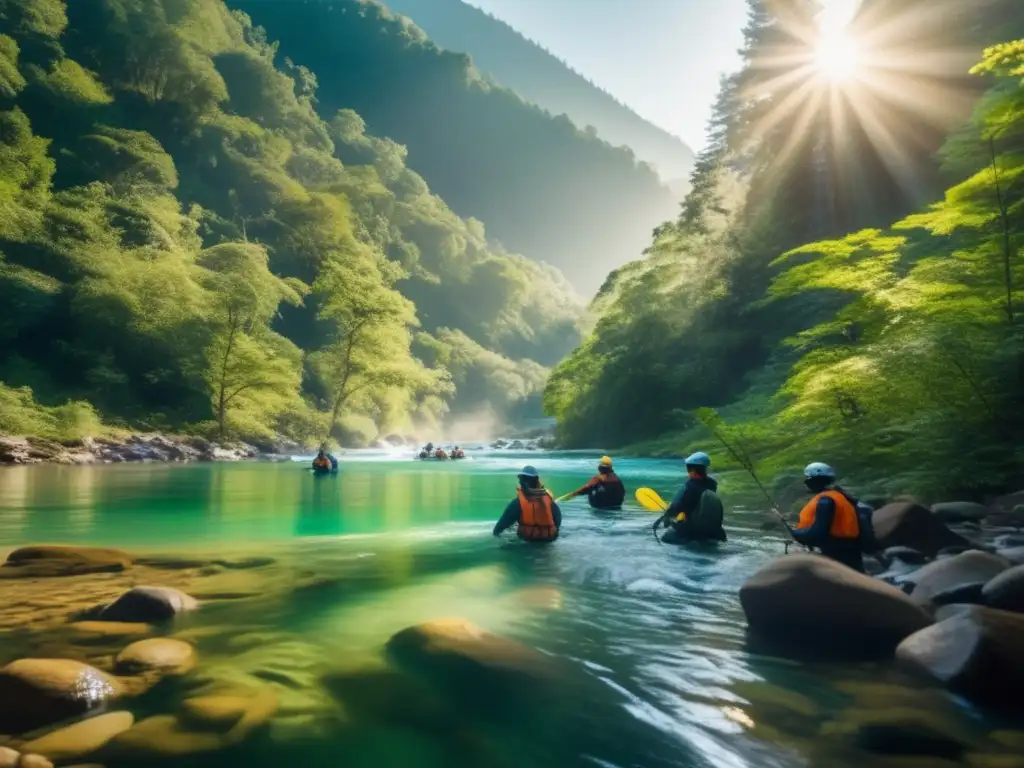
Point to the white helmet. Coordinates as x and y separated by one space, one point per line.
817 469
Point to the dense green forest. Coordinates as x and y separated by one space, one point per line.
543 187
512 60
187 242
892 344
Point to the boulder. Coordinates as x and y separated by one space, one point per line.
162 655
82 738
952 609
9 758
978 654
34 761
908 524
960 512
148 605
38 692
953 579
905 555
805 599
1006 591
46 561
216 712
901 731
471 662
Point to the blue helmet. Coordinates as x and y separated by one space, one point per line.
529 471
698 459
818 469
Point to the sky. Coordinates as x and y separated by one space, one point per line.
661 57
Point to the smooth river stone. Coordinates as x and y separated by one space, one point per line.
162 655
81 739
34 761
38 692
9 758
98 631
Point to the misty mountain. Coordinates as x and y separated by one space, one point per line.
512 60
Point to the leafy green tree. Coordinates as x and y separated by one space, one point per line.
248 366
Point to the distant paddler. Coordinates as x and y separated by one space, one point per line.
696 512
604 490
324 462
536 513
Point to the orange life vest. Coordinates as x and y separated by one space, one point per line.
321 462
536 520
845 524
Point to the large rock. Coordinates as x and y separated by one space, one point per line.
960 512
978 654
81 739
908 524
806 599
9 758
148 605
1006 591
161 655
38 692
34 761
905 555
956 579
470 662
46 561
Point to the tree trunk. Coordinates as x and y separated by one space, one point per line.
1005 220
222 401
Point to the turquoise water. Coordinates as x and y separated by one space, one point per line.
651 636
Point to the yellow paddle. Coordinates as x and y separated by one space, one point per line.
650 500
564 498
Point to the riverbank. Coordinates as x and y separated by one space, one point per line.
130 448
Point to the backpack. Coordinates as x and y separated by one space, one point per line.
707 518
865 512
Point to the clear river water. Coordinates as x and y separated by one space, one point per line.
653 635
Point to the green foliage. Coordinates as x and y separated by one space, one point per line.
20 414
69 81
895 353
191 240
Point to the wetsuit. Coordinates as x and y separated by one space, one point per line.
604 491
687 501
833 526
512 513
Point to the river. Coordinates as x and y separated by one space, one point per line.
653 635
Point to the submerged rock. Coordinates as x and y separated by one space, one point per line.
960 511
162 655
1006 591
38 692
148 605
957 579
978 654
170 736
105 631
471 662
908 524
901 731
801 600
52 561
81 739
34 761
9 758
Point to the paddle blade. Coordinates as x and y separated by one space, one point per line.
650 500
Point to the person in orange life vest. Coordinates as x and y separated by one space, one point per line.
537 514
604 490
830 521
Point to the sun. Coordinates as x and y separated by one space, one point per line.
837 58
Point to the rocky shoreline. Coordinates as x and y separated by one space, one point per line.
133 448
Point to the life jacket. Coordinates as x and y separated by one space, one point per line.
321 462
606 490
845 522
536 519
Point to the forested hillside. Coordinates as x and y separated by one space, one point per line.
543 187
186 244
892 345
510 59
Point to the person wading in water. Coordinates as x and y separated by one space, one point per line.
604 490
833 520
537 514
696 512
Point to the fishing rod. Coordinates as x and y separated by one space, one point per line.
710 419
